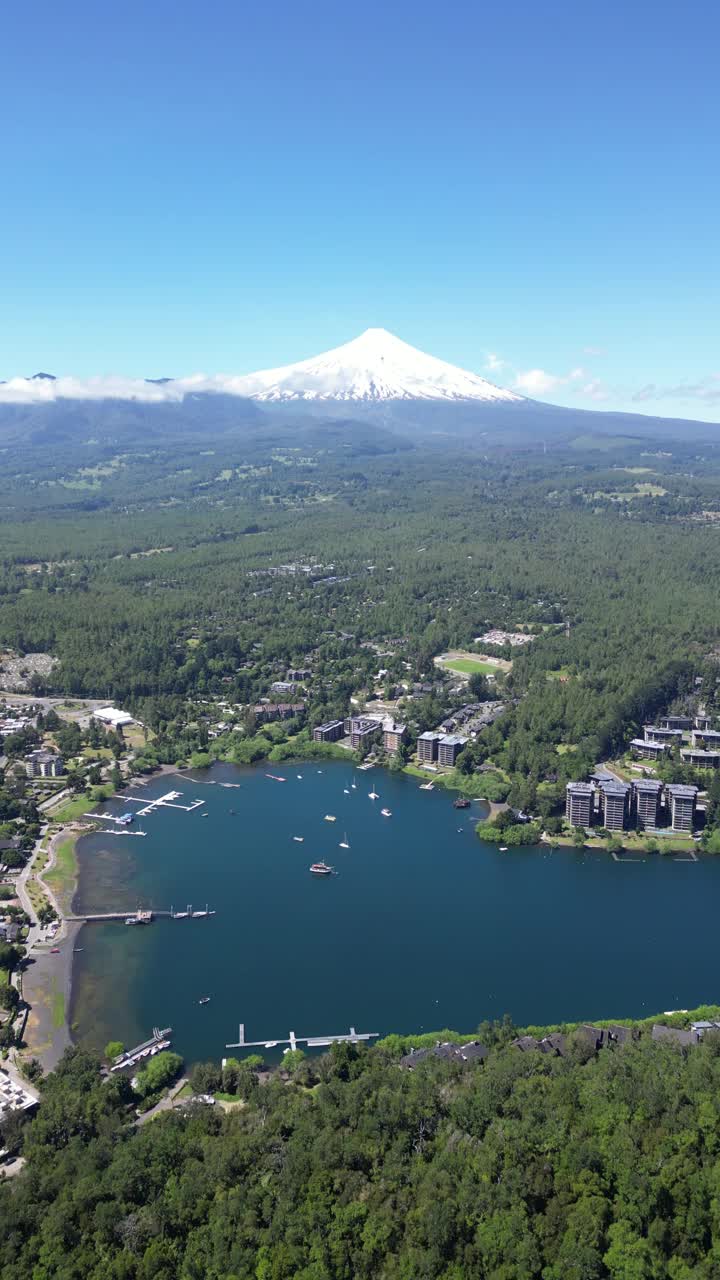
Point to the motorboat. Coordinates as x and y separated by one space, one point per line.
298 839
330 817
321 869
386 813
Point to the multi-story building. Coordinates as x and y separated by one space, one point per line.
646 795
331 731
653 733
363 729
682 806
427 746
266 711
702 722
646 750
579 803
614 802
44 764
393 735
449 748
701 759
706 738
676 722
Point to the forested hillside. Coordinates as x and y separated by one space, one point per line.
527 1167
157 574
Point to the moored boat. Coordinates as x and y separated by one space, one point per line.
462 802
386 813
321 869
330 817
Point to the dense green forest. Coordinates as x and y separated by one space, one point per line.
156 575
527 1167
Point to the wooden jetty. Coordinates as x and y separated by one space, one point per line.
142 917
312 1042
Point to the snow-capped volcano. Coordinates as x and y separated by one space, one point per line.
375 366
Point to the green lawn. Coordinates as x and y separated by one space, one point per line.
468 666
73 809
61 879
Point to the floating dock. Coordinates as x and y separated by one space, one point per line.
312 1042
160 1039
143 917
168 801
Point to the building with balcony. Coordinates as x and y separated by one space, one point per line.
579 803
614 804
44 764
449 748
427 746
682 801
331 731
654 733
393 735
700 759
643 749
646 794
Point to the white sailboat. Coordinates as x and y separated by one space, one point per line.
344 843
373 795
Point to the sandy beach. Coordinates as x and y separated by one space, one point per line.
47 983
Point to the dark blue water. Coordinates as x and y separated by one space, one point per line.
423 927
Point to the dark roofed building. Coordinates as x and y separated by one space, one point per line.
673 1035
646 794
614 797
473 1051
578 803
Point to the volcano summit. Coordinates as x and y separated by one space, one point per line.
375 366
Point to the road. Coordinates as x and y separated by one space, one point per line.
165 1104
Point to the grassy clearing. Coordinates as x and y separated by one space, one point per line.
58 1009
73 809
468 666
61 879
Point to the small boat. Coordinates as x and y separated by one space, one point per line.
354 786
386 813
345 791
275 777
299 776
503 848
77 950
204 1000
330 817
344 843
321 869
299 839
204 815
373 795
462 802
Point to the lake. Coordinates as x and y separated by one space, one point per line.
422 927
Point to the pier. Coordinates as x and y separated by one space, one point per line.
168 801
143 917
160 1039
312 1042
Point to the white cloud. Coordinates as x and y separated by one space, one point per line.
114 387
494 362
594 389
594 351
538 382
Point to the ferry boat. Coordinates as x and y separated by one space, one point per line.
330 817
373 795
204 1000
321 869
462 802
386 813
344 843
298 839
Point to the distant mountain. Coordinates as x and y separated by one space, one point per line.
378 385
377 366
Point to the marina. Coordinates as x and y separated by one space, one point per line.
419 931
167 801
158 1041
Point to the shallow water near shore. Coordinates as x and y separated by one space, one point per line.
423 926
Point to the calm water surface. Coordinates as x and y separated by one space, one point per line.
423 927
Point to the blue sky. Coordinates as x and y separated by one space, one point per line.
528 190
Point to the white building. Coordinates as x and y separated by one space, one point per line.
112 717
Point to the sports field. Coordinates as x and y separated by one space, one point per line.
467 664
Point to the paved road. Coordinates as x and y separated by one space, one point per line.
165 1104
